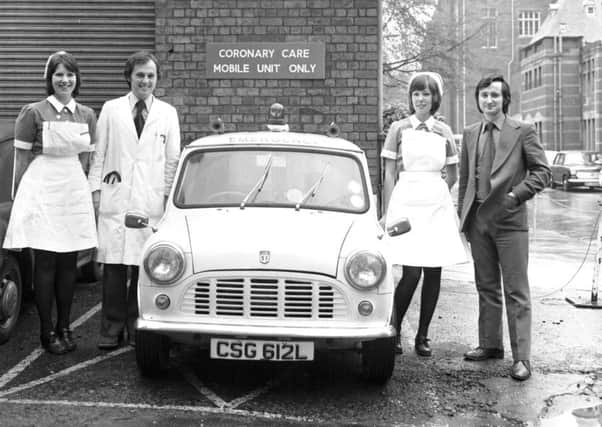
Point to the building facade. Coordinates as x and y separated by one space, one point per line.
561 77
102 34
489 35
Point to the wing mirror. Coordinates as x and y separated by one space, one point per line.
136 220
399 227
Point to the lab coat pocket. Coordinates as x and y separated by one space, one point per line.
111 198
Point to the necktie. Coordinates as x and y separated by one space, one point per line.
487 154
140 117
423 127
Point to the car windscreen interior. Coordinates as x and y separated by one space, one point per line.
253 177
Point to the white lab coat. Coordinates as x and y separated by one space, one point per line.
132 174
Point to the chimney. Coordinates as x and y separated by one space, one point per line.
553 9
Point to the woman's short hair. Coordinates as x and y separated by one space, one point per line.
141 57
422 82
486 82
69 63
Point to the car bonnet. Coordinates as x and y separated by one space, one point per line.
267 239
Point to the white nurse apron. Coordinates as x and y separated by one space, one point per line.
53 208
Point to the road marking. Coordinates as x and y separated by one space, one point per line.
193 380
22 365
252 395
201 409
65 372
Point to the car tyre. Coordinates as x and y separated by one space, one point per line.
152 353
565 183
11 296
378 360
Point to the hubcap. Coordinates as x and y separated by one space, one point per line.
8 299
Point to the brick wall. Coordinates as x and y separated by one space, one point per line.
348 95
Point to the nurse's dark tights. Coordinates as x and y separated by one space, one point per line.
54 278
430 294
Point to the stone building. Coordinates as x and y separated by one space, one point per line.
490 35
561 68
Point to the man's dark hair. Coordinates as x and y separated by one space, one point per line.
423 82
485 82
139 58
69 63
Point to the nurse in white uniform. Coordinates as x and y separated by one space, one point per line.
416 151
52 211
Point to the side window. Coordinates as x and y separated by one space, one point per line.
559 159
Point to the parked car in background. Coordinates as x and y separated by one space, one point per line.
576 168
16 268
551 155
269 249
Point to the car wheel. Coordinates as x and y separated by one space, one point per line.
11 295
565 183
91 272
378 360
152 353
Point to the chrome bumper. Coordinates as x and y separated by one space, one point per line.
352 333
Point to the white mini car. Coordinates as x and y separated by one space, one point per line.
269 249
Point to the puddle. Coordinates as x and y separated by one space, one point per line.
589 416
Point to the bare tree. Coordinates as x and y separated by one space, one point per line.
417 34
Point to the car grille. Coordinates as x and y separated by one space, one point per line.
275 298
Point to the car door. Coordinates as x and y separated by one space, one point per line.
558 168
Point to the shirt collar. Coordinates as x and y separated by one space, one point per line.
58 105
428 122
133 100
499 122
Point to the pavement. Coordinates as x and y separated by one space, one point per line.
566 387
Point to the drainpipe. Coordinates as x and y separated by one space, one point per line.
380 138
509 65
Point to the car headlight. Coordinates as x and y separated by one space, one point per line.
164 263
365 269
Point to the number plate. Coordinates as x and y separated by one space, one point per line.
222 348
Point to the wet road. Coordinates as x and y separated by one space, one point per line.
92 387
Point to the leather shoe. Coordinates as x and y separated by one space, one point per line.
53 344
421 345
521 370
480 353
108 343
398 347
67 336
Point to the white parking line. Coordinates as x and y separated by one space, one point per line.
22 365
198 385
198 409
65 372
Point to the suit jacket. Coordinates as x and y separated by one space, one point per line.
520 166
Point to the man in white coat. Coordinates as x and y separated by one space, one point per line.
137 151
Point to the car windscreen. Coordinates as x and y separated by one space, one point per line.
272 178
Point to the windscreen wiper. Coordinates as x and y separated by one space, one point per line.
313 189
258 185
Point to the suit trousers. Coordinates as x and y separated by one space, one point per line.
500 264
119 301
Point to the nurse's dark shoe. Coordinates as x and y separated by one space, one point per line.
67 336
421 345
53 344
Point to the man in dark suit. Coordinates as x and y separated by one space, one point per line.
502 165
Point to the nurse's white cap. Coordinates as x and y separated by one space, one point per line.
60 52
435 76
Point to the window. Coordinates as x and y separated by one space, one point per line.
489 15
528 23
